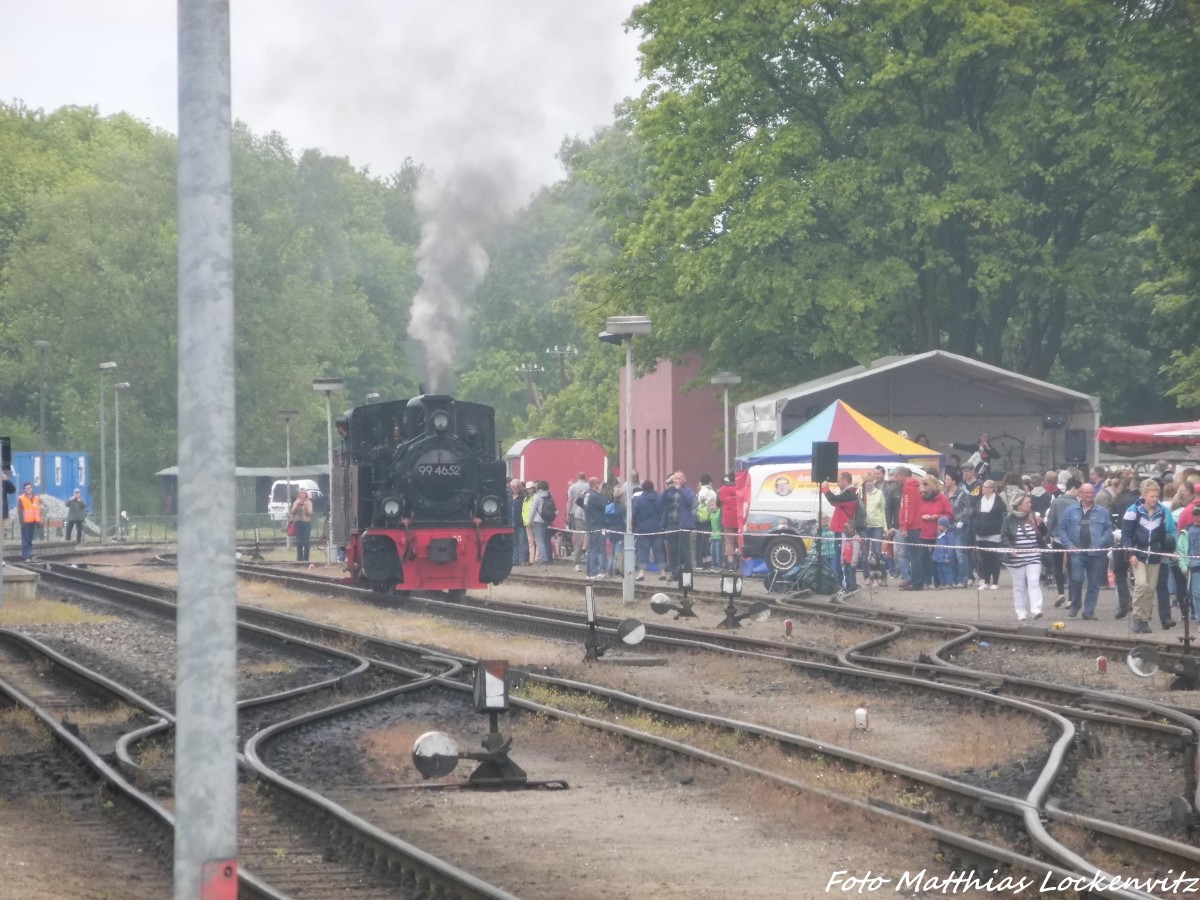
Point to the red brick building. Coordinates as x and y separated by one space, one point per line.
676 423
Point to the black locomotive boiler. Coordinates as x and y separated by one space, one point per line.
419 496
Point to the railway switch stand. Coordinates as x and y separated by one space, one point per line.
630 632
662 605
731 588
436 754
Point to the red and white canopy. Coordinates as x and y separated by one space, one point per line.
1175 434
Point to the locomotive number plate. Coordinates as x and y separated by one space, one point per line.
442 470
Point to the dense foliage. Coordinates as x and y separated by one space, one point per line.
803 186
824 183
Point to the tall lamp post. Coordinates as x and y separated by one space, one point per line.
288 416
117 388
621 329
42 347
106 368
726 380
327 386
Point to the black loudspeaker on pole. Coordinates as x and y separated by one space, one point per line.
824 461
1075 447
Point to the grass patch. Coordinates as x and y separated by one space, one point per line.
48 612
21 732
278 667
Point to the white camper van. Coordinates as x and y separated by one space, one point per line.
784 503
278 502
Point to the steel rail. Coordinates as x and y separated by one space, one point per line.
428 875
1054 764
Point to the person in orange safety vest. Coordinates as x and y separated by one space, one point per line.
29 508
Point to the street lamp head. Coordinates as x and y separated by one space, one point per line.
107 366
372 396
725 378
608 337
630 325
287 416
328 385
120 386
42 345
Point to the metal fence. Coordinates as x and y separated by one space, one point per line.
159 529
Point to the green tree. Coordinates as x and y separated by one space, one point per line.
817 184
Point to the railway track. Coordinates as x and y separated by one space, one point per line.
304 845
1152 850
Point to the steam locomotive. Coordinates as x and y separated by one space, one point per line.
419 496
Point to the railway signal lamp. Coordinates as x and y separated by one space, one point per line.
685 581
435 754
731 588
662 605
630 632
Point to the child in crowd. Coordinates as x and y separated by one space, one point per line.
827 541
717 539
944 555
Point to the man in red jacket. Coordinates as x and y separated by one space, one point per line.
845 507
727 501
908 523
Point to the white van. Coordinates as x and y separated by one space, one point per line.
278 503
784 503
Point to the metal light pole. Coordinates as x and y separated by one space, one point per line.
117 388
621 329
288 416
106 368
42 347
726 380
205 780
327 386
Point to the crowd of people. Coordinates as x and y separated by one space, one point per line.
1062 536
1070 536
676 529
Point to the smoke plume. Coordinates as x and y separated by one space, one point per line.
457 216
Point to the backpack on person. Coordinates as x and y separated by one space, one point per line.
549 510
1193 547
860 516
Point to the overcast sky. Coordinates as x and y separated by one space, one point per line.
442 81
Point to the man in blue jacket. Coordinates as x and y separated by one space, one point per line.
1086 531
1148 536
678 522
592 503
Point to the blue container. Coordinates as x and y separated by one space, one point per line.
65 471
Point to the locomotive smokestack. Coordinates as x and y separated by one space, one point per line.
458 215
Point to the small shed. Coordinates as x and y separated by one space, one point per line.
253 485
1034 425
557 461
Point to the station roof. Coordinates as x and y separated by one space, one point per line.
266 471
939 361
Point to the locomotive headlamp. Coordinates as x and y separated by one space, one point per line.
490 506
441 420
391 507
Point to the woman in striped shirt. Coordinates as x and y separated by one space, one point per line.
1024 541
